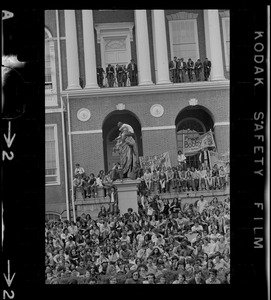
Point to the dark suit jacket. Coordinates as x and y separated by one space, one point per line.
110 69
171 64
129 68
190 64
207 64
198 65
179 65
100 72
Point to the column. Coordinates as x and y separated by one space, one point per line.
71 50
222 136
89 50
142 48
213 43
160 47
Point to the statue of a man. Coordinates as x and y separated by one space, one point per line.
127 149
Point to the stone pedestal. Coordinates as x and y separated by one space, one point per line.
127 194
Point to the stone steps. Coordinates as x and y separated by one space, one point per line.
92 205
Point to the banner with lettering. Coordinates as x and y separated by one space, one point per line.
192 145
155 161
219 159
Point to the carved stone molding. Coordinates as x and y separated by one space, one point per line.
182 15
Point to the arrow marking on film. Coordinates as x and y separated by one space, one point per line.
8 140
7 14
8 279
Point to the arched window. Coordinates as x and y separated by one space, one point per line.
191 126
191 123
50 70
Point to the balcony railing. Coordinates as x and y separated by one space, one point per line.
150 89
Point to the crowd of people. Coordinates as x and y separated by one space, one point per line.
180 70
180 179
184 179
165 242
120 75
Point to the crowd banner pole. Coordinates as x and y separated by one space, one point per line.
71 163
65 159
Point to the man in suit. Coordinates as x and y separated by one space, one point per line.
110 74
132 69
124 76
119 73
173 70
207 68
181 69
198 69
190 68
100 76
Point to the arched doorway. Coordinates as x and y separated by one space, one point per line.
192 121
111 131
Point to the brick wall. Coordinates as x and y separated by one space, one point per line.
216 102
87 149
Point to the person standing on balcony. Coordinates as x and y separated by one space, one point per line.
190 68
124 76
207 68
119 73
173 70
132 69
198 69
110 75
181 69
100 76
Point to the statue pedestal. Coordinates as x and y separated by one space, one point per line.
127 194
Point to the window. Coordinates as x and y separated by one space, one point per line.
50 70
51 155
184 39
115 40
226 40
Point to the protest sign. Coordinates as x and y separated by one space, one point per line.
154 161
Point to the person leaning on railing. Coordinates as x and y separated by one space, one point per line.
110 75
